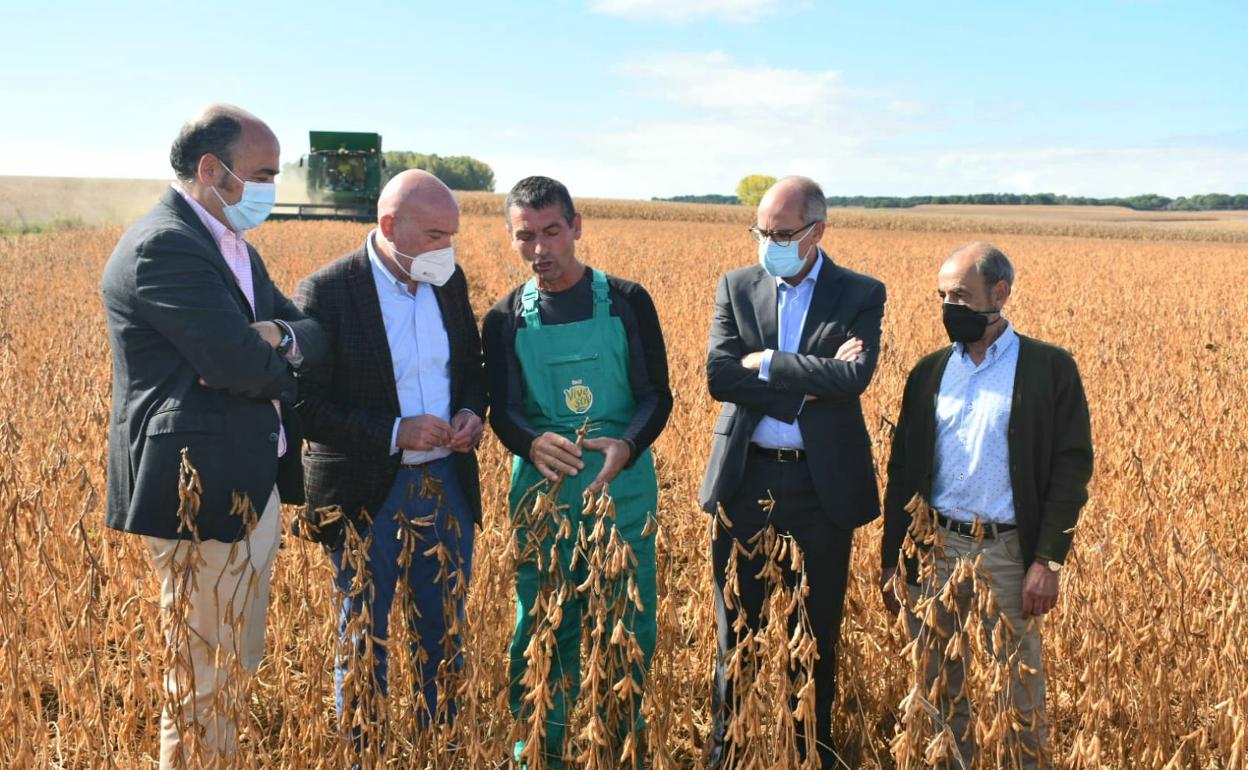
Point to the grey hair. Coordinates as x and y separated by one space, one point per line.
990 262
995 267
814 204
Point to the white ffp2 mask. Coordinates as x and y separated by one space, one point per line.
435 267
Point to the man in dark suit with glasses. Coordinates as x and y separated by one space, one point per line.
793 344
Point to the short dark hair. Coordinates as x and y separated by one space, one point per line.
212 133
538 192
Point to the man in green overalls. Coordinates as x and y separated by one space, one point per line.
568 345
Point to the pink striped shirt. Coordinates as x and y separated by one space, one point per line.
234 250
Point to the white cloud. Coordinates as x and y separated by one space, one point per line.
731 118
740 11
715 82
716 119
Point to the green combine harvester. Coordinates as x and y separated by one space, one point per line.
343 170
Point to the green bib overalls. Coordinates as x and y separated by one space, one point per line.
573 371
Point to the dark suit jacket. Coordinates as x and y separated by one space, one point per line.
1050 441
844 304
349 405
175 314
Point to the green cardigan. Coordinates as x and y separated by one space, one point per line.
1050 440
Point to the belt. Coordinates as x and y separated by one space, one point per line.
779 455
988 529
414 466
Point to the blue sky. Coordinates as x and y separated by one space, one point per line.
636 98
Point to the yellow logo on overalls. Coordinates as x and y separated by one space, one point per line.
579 397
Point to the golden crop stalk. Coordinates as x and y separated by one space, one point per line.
1146 652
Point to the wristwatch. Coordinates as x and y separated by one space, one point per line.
288 339
1054 566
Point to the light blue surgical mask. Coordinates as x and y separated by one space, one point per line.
253 208
782 261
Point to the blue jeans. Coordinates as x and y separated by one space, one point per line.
426 590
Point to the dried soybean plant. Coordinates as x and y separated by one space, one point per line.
952 614
402 728
208 727
771 667
426 732
600 696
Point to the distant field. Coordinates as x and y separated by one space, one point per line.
1216 220
30 200
34 200
1079 213
39 200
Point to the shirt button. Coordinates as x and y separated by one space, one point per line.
961 477
273 437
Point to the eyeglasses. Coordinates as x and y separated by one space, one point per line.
780 237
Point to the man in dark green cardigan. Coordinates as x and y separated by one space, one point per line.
994 437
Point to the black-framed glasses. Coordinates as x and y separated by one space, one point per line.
781 237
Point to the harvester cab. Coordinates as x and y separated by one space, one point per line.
343 172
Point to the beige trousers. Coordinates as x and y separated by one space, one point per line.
214 598
1011 640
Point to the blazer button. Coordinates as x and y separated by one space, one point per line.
273 437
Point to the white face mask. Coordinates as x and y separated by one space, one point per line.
252 208
435 267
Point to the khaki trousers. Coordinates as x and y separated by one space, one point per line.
1012 640
214 598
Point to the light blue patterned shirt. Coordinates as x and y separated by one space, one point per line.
971 473
792 302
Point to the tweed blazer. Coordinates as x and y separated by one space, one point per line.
349 405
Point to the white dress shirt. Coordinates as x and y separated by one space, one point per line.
971 473
792 304
419 349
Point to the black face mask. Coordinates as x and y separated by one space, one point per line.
964 324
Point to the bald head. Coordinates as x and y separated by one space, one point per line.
984 259
978 275
416 213
797 194
412 192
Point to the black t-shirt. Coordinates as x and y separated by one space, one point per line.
647 357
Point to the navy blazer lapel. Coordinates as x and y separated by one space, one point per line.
173 199
366 303
823 300
763 297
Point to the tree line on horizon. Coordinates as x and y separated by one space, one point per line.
751 192
458 172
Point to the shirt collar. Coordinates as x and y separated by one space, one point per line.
810 278
998 348
379 268
216 228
